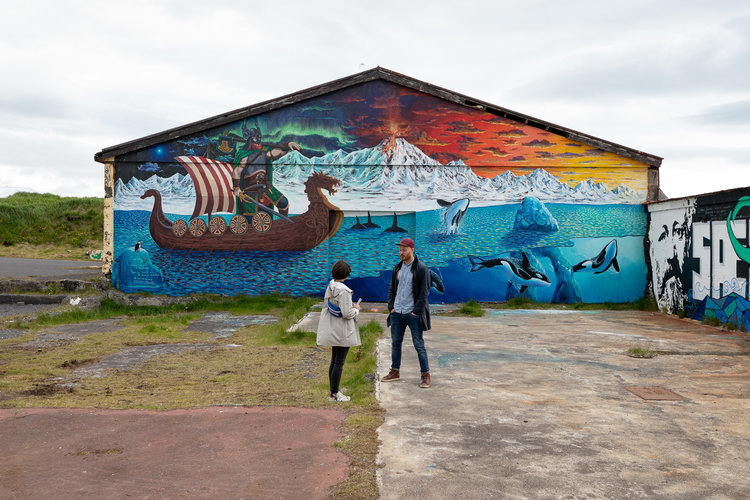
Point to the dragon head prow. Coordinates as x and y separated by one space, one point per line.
321 181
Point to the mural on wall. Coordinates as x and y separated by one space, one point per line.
669 248
268 203
698 249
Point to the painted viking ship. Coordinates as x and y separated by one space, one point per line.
259 231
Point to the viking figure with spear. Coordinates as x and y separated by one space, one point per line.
252 177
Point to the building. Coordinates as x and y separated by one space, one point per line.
698 256
266 198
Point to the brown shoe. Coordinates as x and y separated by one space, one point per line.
392 376
425 380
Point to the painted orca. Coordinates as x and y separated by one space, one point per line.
520 273
454 213
394 227
436 281
358 225
607 258
369 222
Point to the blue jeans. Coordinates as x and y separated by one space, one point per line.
399 322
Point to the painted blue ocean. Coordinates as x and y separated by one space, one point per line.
486 232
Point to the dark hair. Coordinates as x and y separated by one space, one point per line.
341 270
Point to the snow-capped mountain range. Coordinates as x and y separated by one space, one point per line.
393 174
177 192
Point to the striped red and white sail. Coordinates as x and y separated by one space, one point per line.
213 184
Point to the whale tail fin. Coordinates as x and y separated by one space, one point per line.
476 263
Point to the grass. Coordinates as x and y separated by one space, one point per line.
199 303
474 308
61 251
711 321
360 428
729 325
50 226
640 352
259 365
471 308
643 352
644 304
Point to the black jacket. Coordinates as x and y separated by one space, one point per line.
420 289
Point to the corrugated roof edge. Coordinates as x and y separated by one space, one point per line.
730 191
366 76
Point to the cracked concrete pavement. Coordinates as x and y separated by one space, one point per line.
536 404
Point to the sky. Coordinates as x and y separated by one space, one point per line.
670 78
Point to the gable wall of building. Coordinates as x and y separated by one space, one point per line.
498 208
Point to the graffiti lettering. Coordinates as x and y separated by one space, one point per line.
742 251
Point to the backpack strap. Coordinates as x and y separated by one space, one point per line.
335 311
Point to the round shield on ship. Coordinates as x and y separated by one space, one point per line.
179 228
197 227
238 224
261 222
217 226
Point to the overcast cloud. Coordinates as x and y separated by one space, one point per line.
671 78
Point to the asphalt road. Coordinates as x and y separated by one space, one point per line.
15 268
23 309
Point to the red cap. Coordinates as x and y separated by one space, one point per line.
406 242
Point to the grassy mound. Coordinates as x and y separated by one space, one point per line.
67 223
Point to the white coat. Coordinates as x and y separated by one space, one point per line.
335 331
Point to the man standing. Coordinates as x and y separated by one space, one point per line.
408 306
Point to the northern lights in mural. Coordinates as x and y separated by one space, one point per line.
364 115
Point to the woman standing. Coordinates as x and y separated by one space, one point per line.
338 326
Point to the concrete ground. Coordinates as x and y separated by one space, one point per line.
543 404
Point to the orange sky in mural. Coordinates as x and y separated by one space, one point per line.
491 144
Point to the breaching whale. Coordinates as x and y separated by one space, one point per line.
607 258
454 212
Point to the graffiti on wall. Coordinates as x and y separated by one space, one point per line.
669 249
268 203
699 256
